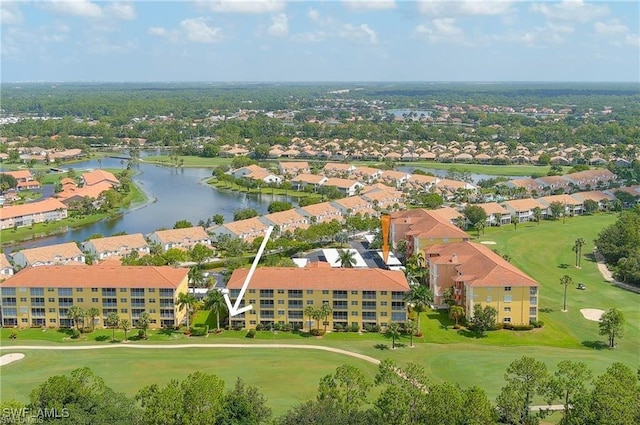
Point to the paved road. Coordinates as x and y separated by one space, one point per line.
608 276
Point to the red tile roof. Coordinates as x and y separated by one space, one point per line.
31 208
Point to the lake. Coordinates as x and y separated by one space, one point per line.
174 194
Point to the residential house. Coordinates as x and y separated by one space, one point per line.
337 169
449 188
116 246
346 186
422 182
71 194
323 212
284 221
354 205
526 185
572 205
396 178
554 185
60 254
303 180
358 297
233 152
32 213
497 215
294 168
592 179
185 238
99 176
523 209
246 230
602 198
20 175
6 268
366 174
41 296
383 197
480 276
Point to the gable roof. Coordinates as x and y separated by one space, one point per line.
97 176
179 235
32 208
114 243
47 253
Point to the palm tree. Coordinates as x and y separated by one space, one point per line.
577 248
411 329
537 214
216 303
317 316
143 322
566 281
125 324
456 312
326 312
419 297
93 312
346 258
479 226
393 332
196 278
113 320
188 301
515 220
76 313
309 311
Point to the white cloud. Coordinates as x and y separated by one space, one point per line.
121 11
244 6
465 7
358 34
364 5
633 40
310 37
159 31
82 8
571 10
541 37
613 27
441 29
104 46
10 13
317 18
198 30
279 25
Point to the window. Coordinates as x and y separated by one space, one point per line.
533 300
295 314
94 289
79 300
383 292
52 320
369 295
65 292
507 288
51 300
354 302
151 290
79 289
507 320
507 309
507 298
489 298
252 322
294 293
123 300
152 311
252 291
123 289
124 310
36 291
533 290
368 315
50 289
533 311
383 303
280 312
8 291
354 292
266 293
297 303
325 292
309 302
23 300
309 291
280 291
167 293
136 292
52 310
354 313
108 292
383 314
94 300
368 305
152 300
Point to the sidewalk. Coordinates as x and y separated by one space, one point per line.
608 276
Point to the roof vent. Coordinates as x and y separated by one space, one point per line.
454 258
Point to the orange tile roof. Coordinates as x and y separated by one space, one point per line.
563 199
300 165
594 195
428 224
93 191
31 208
19 174
98 276
97 176
341 183
308 178
179 235
491 208
323 208
480 266
114 243
446 213
336 166
47 253
30 183
523 204
352 202
250 225
285 217
321 278
4 261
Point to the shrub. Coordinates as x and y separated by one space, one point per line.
372 328
296 327
536 323
14 334
354 328
317 332
75 333
277 327
200 331
237 327
522 327
338 327
251 333
141 333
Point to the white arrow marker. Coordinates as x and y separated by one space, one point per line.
235 309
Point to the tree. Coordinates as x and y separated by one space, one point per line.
125 324
456 312
589 206
7 181
526 377
515 220
245 405
537 214
448 297
113 321
215 302
182 224
143 322
393 332
85 398
244 214
474 214
612 325
196 278
278 206
218 219
614 398
326 311
577 248
76 313
419 298
93 312
411 328
479 226
557 209
568 385
347 387
309 311
484 318
346 258
200 253
476 408
186 301
565 280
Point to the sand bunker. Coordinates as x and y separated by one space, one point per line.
488 242
592 314
10 358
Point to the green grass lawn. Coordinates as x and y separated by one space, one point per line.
189 161
266 190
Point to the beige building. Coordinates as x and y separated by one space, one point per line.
41 296
50 255
185 238
116 246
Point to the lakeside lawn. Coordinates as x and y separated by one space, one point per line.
263 191
189 161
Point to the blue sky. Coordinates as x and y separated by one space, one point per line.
272 40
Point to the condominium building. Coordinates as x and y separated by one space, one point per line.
42 296
480 276
357 296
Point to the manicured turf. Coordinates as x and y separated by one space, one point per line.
189 161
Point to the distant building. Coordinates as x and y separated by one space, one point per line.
32 213
50 255
185 238
116 246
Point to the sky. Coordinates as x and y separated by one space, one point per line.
330 40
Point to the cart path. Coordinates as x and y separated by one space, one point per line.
179 346
608 276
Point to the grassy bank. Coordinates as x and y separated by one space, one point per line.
264 191
189 161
